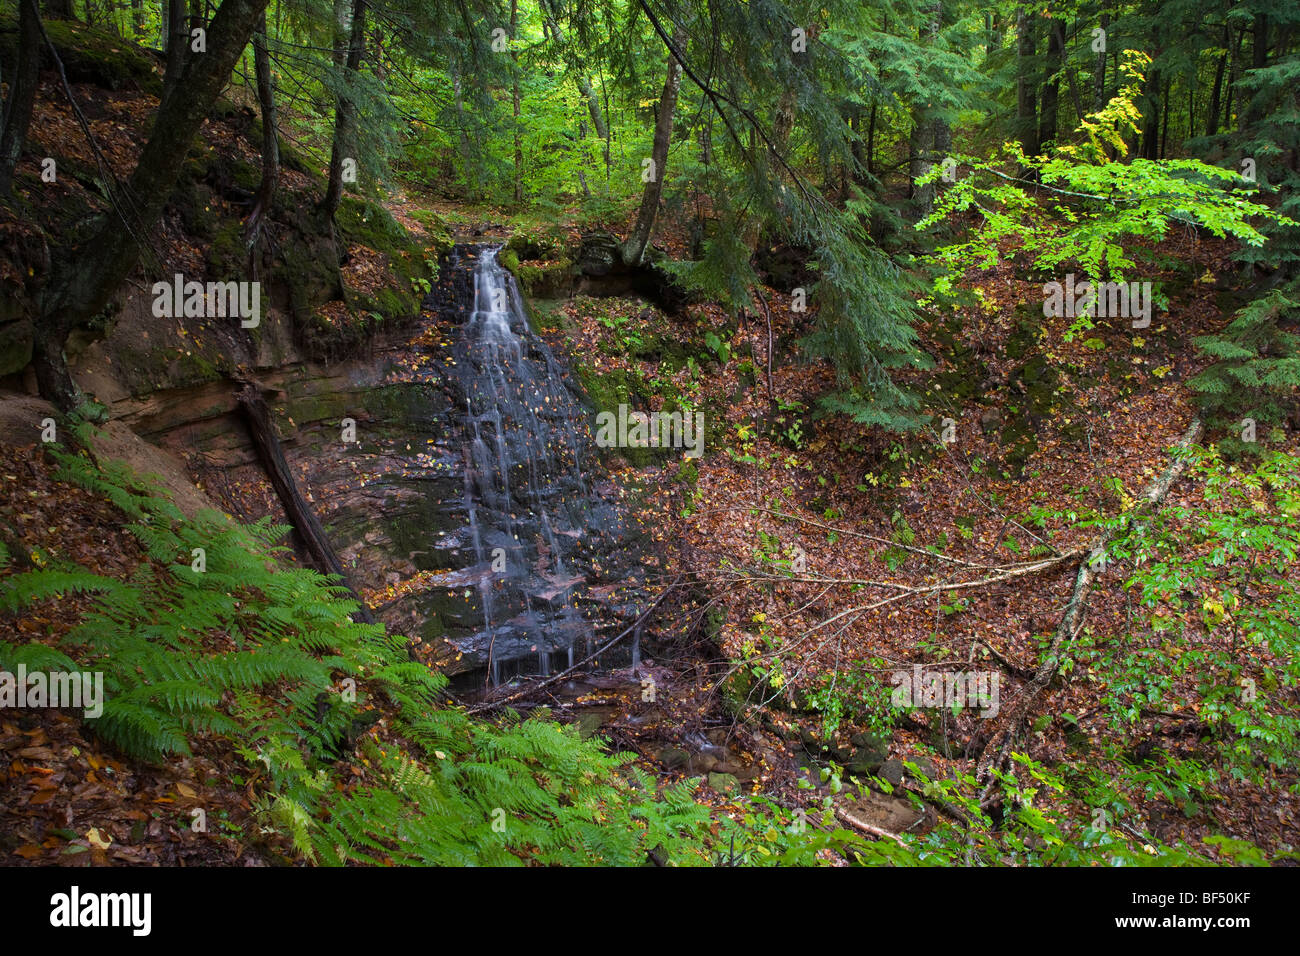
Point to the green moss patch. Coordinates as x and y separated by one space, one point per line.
89 55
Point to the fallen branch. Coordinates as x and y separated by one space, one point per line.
1072 621
269 451
866 827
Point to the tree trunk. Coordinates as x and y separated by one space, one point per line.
178 46
1259 59
59 10
931 137
345 111
270 137
1051 96
1151 122
1212 120
634 249
871 138
472 181
1232 76
1026 83
551 22
22 92
84 277
1164 121
1099 71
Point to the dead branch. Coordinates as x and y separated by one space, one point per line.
866 827
1072 620
534 688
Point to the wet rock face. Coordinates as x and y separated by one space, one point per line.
468 506
534 522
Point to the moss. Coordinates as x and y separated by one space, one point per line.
547 280
307 263
1043 397
227 253
960 381
89 55
369 224
440 240
247 176
547 314
607 391
146 370
193 369
533 243
194 202
666 348
316 407
15 346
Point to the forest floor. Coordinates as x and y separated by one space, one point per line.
888 527
1044 430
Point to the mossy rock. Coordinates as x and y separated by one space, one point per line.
606 391
193 201
370 224
146 370
666 347
307 264
440 240
545 314
724 782
227 254
1042 398
533 244
964 371
15 346
550 280
89 55
688 473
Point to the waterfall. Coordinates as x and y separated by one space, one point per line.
525 495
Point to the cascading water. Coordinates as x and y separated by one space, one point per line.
532 523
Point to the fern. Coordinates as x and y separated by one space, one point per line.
252 650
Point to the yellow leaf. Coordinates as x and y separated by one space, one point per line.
97 839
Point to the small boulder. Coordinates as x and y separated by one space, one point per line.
703 763
674 758
724 782
893 771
